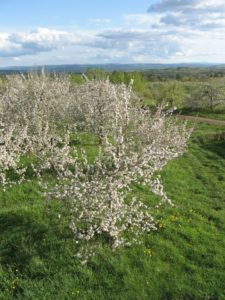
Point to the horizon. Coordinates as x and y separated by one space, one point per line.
151 32
210 64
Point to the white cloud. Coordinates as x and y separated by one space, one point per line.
114 43
197 14
167 5
100 21
145 42
16 58
37 41
141 19
20 44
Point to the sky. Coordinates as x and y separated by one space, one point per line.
40 32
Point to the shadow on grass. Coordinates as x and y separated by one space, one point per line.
31 244
21 238
24 236
196 112
22 248
216 147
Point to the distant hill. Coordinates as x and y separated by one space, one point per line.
81 68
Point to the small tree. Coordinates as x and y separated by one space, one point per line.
212 95
134 145
171 93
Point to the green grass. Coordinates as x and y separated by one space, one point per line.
184 259
216 114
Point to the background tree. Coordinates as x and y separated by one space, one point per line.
212 95
205 96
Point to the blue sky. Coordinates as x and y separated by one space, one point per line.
119 31
16 14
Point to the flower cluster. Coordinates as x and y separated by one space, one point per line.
11 149
33 111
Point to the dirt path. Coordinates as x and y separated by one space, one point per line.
202 120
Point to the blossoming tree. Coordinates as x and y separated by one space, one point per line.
40 113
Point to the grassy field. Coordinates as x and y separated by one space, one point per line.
184 259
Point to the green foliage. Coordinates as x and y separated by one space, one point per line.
96 74
184 259
76 78
140 83
2 82
191 74
170 92
118 77
207 95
